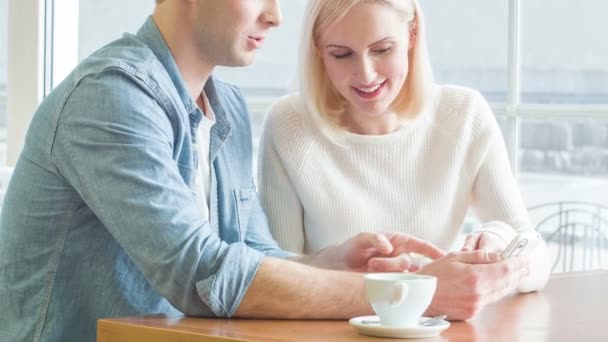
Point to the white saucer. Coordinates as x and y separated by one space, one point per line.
377 329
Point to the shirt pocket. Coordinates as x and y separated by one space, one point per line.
245 199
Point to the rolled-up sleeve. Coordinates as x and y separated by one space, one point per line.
115 146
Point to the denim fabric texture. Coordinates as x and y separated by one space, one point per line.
100 217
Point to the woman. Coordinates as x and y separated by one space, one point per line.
372 144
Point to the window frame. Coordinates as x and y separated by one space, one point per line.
25 74
31 77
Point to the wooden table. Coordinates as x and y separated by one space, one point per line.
571 308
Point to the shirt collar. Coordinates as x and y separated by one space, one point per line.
150 35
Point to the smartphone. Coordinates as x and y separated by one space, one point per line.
522 244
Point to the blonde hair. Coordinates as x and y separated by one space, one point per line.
323 100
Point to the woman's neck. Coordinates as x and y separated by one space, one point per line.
385 123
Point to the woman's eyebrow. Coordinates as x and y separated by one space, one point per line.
370 45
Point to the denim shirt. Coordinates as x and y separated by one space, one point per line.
101 219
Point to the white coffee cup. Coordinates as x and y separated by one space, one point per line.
399 299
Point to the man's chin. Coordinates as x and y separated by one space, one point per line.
241 61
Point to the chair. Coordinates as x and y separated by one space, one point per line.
576 234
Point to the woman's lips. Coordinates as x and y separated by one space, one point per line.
370 92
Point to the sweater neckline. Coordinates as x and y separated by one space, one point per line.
406 128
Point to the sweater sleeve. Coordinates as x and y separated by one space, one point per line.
496 195
498 203
277 192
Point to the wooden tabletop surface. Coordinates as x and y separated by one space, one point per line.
570 308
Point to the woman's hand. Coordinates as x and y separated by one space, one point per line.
487 241
377 252
468 281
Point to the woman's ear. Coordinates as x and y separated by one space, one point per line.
413 34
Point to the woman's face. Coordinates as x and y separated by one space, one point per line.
366 57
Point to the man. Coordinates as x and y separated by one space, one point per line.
134 195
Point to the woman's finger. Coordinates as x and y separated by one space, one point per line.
399 263
490 243
471 242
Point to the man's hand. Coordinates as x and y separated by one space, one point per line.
487 241
468 281
375 252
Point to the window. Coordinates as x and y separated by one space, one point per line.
564 59
468 44
3 77
101 22
83 26
564 159
540 63
550 97
563 146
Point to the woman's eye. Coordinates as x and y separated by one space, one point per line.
342 55
385 50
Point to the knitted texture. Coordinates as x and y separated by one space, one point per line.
319 190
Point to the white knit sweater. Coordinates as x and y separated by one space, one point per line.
419 180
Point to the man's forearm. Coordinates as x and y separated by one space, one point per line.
319 259
286 289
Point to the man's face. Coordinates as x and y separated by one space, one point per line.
231 31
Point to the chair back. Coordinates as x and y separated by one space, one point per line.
576 234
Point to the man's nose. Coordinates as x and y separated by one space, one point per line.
272 13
